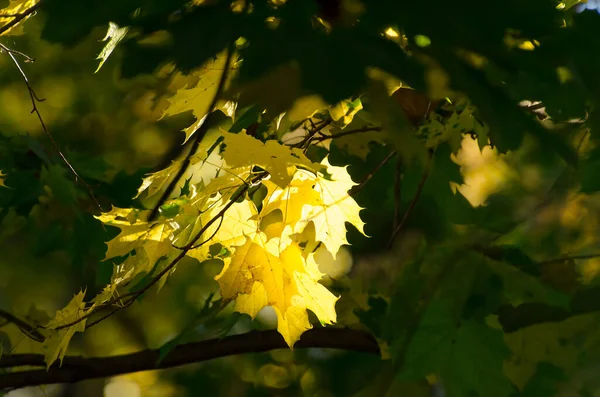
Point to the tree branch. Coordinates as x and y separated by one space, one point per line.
18 17
348 132
75 368
356 188
513 318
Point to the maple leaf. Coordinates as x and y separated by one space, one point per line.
15 8
345 110
468 357
199 98
292 199
358 143
278 160
274 273
306 107
114 35
151 241
324 202
231 231
55 346
203 167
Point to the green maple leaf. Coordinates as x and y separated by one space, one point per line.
467 356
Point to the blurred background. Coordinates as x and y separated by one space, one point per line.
112 132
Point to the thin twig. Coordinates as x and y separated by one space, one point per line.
413 203
198 136
22 54
346 133
27 329
569 258
19 17
397 192
308 139
356 188
34 100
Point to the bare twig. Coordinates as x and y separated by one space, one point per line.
19 16
29 330
12 51
310 136
413 203
569 258
348 132
34 100
198 136
397 192
356 188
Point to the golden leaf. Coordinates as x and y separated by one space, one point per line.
55 346
274 273
278 160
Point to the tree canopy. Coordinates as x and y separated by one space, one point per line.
300 198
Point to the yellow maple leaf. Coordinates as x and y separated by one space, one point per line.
203 167
335 208
278 160
291 200
324 202
15 8
56 344
231 231
155 181
199 98
274 273
151 242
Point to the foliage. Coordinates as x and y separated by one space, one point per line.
407 179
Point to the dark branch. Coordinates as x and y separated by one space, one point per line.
356 188
513 318
18 17
23 325
75 369
348 132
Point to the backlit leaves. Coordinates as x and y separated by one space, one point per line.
267 266
114 35
198 98
55 346
274 273
269 212
280 161
14 9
